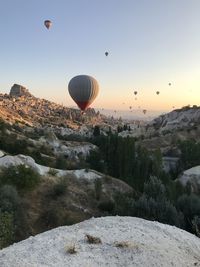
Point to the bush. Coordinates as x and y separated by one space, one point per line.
22 177
189 205
6 229
196 225
59 189
9 199
54 216
52 172
162 211
107 205
10 202
98 188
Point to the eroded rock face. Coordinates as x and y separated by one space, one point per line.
19 90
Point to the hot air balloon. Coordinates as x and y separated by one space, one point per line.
47 24
144 111
130 107
106 53
135 92
169 84
83 89
157 92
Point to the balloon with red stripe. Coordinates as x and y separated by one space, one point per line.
83 89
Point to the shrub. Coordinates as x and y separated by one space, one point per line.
196 225
9 199
189 205
59 189
6 229
106 205
53 216
22 177
52 172
92 239
71 249
98 188
162 211
10 202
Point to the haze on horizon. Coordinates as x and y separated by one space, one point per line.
151 43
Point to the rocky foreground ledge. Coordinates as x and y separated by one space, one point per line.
106 241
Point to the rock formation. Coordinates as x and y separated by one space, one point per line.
19 90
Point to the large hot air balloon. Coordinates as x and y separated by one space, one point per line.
83 89
47 24
106 53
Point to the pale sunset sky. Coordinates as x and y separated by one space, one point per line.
151 43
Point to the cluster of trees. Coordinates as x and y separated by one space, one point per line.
121 158
158 196
190 153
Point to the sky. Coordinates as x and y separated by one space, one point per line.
151 43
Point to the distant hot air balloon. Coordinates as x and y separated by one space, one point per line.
169 84
157 92
83 89
144 111
47 24
135 92
106 53
130 107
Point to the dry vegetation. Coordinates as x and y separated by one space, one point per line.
92 239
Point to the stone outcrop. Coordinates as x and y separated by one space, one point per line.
19 90
191 176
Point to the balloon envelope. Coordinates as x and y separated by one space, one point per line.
47 23
106 53
83 89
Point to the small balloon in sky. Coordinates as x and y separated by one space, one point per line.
157 92
106 53
144 111
83 89
135 92
48 24
169 84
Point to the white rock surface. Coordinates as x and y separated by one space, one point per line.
193 176
177 119
150 244
8 161
1 153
